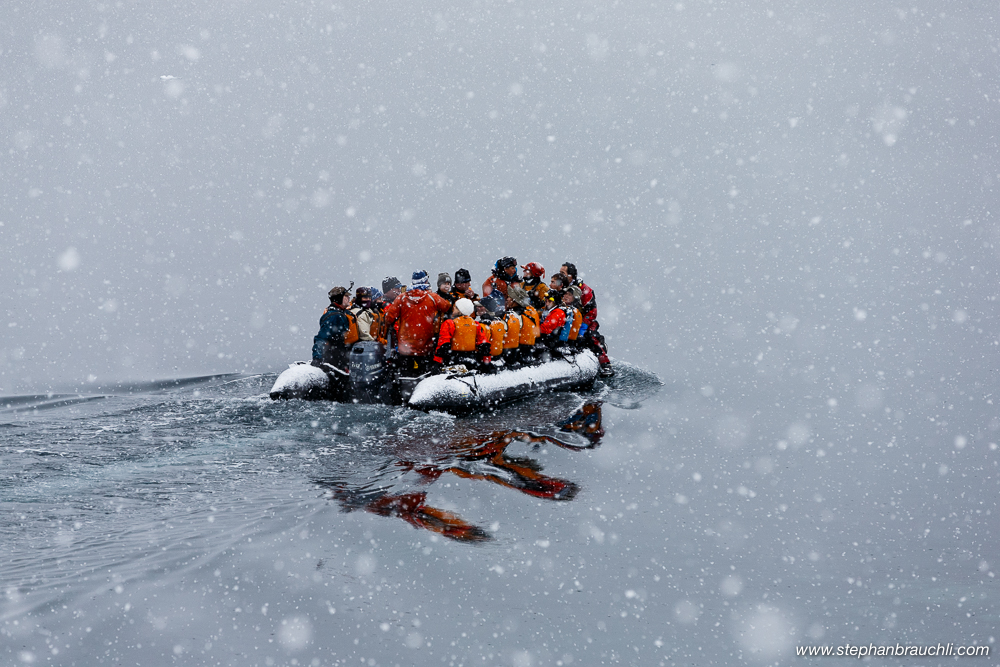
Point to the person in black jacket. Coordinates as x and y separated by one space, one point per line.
462 287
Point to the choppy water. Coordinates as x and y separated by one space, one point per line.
197 522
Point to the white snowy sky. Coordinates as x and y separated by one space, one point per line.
753 189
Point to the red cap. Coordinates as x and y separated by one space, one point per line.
534 269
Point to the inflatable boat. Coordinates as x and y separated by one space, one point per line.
373 379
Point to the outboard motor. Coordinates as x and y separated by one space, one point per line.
368 371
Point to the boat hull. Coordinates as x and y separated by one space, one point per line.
459 393
449 392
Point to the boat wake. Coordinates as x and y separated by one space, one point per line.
160 441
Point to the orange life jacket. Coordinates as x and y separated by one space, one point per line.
574 329
513 336
351 337
497 332
464 339
378 323
529 326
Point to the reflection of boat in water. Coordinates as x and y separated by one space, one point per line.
372 379
473 456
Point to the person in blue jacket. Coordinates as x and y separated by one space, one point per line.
338 330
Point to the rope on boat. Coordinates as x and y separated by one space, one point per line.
474 386
570 358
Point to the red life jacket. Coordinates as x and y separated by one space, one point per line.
553 321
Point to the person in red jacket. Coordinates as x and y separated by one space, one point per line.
553 322
415 310
588 304
588 308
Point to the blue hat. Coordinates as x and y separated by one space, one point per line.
420 280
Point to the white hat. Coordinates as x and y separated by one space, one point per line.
465 307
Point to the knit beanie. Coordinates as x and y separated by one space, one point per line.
390 283
420 281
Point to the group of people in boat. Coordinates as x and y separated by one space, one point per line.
515 321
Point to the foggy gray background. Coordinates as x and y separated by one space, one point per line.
811 182
787 212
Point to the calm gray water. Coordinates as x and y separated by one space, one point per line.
196 522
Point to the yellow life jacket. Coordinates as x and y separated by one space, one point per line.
529 326
464 339
574 330
497 332
513 336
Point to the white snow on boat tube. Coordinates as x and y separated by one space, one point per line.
300 380
459 393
